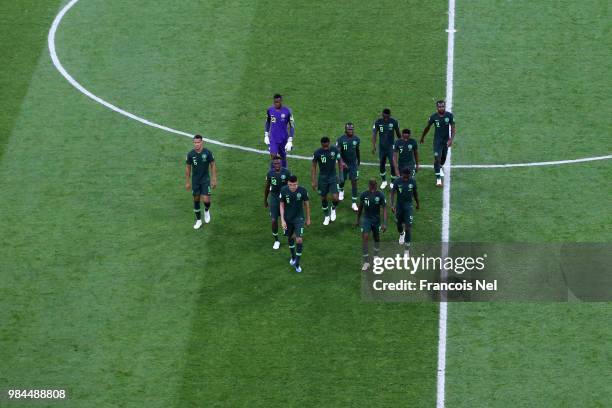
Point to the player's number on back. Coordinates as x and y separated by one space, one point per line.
323 159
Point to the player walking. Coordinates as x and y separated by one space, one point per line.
443 137
370 203
279 129
405 153
198 180
348 144
385 127
293 200
276 178
406 189
327 183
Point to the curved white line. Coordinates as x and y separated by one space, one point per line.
58 65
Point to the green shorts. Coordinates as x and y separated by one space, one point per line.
352 172
327 185
368 224
199 188
411 166
385 153
274 206
403 214
295 228
440 147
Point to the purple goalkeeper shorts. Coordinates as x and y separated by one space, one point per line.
278 148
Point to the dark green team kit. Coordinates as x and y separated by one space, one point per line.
200 165
348 151
371 202
328 180
386 136
294 209
277 180
405 153
405 190
442 126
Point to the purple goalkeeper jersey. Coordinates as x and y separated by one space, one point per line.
278 120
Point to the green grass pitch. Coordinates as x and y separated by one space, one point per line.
108 292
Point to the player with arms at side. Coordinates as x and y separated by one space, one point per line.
326 157
293 201
348 144
279 129
200 163
406 154
386 127
370 203
443 137
276 178
406 189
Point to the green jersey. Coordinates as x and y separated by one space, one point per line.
405 152
277 180
294 203
200 164
372 202
326 160
405 190
386 131
442 124
348 148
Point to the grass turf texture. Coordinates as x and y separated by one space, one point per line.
108 292
528 87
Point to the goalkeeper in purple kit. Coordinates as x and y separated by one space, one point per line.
279 129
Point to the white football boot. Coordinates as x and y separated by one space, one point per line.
276 245
207 216
197 224
366 266
383 185
354 207
401 238
333 215
341 195
438 182
326 220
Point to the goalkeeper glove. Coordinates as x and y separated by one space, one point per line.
267 138
289 145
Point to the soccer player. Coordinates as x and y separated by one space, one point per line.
279 129
293 200
443 137
385 127
348 144
276 179
406 189
200 162
370 203
326 157
405 153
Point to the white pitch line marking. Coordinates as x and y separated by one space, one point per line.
58 65
443 313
